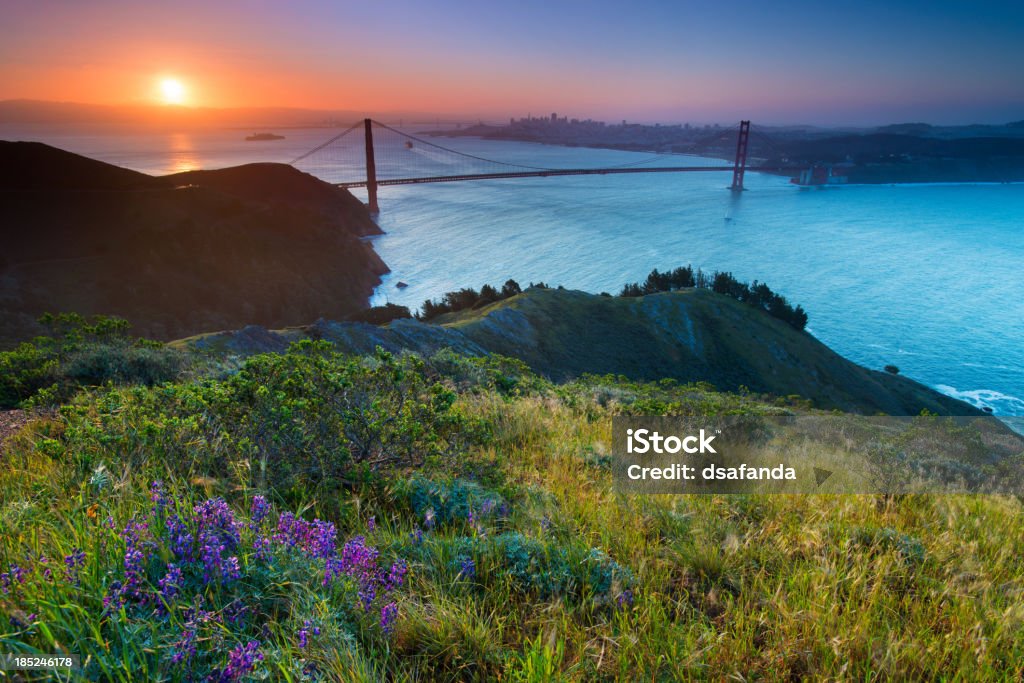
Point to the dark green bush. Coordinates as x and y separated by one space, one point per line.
289 421
78 352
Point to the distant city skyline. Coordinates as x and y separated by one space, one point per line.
792 61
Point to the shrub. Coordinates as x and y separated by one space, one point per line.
381 315
292 420
78 352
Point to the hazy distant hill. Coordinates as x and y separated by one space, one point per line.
690 335
178 255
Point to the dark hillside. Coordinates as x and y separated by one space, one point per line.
178 255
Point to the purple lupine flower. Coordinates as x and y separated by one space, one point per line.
388 615
625 599
261 544
467 567
184 649
180 537
545 523
307 628
396 576
417 535
367 593
73 563
44 562
218 533
487 507
317 538
241 660
14 576
371 524
259 510
158 496
235 612
17 623
170 585
135 557
470 518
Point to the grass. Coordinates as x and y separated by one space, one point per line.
555 576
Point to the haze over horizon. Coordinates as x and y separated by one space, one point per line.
794 62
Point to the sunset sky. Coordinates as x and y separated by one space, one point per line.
782 61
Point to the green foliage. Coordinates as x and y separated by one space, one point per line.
540 572
756 294
78 352
505 375
381 315
443 503
291 420
468 298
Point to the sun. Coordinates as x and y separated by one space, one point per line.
172 91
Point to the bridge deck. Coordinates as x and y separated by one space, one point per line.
562 172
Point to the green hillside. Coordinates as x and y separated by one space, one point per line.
310 515
689 335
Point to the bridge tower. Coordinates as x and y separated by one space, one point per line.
740 167
371 169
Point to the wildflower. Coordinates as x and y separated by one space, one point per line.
467 567
259 510
91 511
169 586
487 507
371 524
235 612
180 537
307 628
218 533
184 649
625 599
417 535
261 544
429 518
158 496
135 556
73 562
13 577
397 575
23 622
545 524
388 615
241 660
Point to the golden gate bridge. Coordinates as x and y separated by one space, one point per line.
396 157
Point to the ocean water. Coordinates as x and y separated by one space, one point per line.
925 277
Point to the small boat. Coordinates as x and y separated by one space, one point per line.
408 144
258 137
401 285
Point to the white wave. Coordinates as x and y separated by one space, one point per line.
1000 403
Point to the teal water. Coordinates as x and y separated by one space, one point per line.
925 277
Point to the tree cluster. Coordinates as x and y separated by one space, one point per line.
469 298
756 294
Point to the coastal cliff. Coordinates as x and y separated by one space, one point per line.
690 335
180 254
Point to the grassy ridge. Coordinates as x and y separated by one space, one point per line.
520 561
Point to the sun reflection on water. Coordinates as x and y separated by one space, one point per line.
183 156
